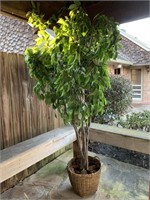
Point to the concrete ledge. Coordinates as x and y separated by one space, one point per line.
23 155
125 138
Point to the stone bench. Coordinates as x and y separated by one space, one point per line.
24 154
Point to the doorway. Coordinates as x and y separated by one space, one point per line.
136 84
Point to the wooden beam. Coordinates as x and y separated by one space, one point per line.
22 155
121 11
12 16
120 137
16 8
20 8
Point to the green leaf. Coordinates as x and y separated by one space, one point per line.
73 6
79 116
61 21
84 34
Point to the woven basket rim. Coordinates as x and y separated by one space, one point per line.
88 175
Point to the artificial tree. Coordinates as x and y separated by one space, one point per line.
70 71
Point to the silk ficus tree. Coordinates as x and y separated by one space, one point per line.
70 70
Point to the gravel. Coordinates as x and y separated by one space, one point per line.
124 155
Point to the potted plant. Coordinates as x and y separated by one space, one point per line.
70 74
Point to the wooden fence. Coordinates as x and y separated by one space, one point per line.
22 115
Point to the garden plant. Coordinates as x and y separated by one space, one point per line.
137 121
119 100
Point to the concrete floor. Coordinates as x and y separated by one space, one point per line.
119 181
139 108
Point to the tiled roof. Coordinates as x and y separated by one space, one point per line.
134 52
122 56
15 35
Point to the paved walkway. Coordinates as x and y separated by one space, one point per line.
119 181
139 108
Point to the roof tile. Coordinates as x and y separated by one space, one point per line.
15 35
134 53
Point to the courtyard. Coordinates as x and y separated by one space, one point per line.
118 181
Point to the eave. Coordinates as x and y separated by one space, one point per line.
121 11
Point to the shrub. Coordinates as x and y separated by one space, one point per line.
119 98
137 121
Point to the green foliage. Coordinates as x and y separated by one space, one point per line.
119 98
137 121
70 71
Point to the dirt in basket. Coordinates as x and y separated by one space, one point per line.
93 167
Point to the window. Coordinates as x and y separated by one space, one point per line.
117 71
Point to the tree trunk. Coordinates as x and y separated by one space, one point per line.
82 135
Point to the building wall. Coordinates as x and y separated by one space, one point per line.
126 71
112 68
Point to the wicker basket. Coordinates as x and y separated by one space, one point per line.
84 184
